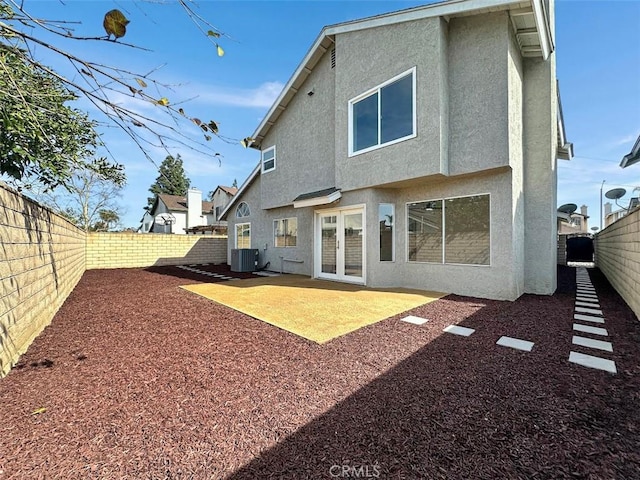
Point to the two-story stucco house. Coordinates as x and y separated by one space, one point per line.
416 149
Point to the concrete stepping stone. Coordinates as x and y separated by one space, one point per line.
589 342
515 343
586 304
591 296
586 299
457 330
414 320
593 362
585 290
588 310
589 329
588 318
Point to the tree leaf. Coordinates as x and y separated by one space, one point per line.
132 90
204 127
207 137
246 142
213 126
220 51
211 33
115 23
39 410
141 82
86 72
181 111
197 121
137 124
164 101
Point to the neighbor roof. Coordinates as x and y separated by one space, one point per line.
529 19
229 190
633 156
176 203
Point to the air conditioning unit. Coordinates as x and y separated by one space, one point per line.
244 259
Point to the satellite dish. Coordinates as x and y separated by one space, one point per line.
568 208
595 229
616 193
165 219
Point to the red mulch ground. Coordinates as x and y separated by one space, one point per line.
141 379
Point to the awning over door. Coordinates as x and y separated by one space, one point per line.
321 197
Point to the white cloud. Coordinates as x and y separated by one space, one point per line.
262 96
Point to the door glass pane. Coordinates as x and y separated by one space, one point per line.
353 236
329 230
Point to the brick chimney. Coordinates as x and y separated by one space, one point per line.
194 207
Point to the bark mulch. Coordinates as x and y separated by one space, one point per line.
141 379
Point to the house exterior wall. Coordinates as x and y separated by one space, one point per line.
220 200
304 140
43 259
617 253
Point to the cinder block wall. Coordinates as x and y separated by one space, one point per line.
128 249
42 260
618 257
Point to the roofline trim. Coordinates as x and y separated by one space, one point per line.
241 190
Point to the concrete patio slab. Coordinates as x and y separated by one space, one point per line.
589 329
589 342
457 330
515 343
588 318
593 362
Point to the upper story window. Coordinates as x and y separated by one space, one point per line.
269 159
243 210
383 115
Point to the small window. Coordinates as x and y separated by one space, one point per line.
285 232
384 115
385 221
243 235
243 210
269 159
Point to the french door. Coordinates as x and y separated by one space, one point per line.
340 245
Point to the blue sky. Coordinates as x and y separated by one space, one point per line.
598 66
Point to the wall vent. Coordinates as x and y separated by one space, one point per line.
333 58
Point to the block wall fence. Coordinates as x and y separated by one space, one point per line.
42 260
43 256
617 250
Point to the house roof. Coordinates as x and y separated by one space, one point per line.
529 19
633 156
177 203
229 190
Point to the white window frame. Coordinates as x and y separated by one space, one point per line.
444 231
368 93
236 233
238 210
262 159
285 236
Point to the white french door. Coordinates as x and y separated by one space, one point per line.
340 244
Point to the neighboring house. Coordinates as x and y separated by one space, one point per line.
221 197
633 156
415 149
613 216
176 214
574 223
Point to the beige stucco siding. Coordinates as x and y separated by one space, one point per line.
368 58
304 141
478 81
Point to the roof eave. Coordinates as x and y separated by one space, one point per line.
633 156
